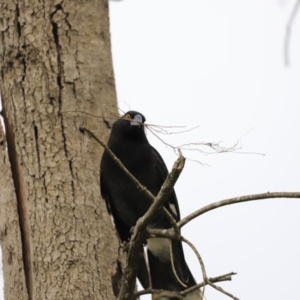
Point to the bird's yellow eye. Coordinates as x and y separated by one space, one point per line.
127 116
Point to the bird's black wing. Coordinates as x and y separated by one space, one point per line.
121 227
172 206
124 234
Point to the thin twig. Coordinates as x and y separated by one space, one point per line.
214 148
200 261
172 221
222 290
288 32
205 279
168 294
159 129
225 277
173 267
198 256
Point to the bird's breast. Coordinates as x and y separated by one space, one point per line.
130 202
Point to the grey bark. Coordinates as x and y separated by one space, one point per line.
56 237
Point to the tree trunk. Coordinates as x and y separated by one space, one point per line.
55 64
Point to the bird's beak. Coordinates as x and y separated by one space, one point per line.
138 121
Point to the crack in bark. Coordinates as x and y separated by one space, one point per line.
36 137
45 187
19 185
17 18
106 123
72 181
60 76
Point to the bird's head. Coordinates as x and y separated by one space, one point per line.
131 124
134 118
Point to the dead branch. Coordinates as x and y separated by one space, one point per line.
288 32
169 233
180 295
221 290
161 293
199 259
205 148
141 232
235 200
225 277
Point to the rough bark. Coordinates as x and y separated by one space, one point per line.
10 236
55 57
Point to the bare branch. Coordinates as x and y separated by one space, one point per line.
173 267
206 148
180 295
172 221
165 189
199 259
216 147
225 277
198 256
168 294
288 32
160 129
206 281
140 231
235 200
221 290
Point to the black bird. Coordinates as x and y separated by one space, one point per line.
126 204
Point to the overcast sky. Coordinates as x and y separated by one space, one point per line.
219 65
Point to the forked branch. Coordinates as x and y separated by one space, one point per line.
141 232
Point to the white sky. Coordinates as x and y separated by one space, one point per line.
219 65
